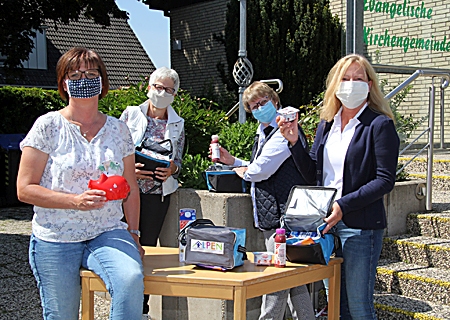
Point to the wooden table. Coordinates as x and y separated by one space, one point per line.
165 276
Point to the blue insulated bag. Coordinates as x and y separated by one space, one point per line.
221 178
306 208
319 252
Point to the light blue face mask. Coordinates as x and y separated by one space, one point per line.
265 113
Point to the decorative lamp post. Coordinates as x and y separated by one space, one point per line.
243 69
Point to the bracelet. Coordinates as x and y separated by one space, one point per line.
177 169
136 232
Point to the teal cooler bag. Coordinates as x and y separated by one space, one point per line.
215 247
221 178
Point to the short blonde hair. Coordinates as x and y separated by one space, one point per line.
258 90
375 99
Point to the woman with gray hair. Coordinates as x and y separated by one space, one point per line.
155 120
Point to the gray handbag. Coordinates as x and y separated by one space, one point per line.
215 247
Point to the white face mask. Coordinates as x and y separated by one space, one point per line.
353 93
160 99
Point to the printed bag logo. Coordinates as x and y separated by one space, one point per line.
207 246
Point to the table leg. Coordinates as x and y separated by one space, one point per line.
334 293
87 300
240 303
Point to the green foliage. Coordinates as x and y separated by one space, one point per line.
402 175
297 41
116 101
405 124
201 121
20 107
193 168
309 119
238 138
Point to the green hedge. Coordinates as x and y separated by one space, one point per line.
20 107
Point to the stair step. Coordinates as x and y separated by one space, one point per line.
414 281
420 165
392 306
420 250
429 224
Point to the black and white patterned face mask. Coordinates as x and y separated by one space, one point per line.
84 88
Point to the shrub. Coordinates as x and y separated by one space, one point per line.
191 173
238 138
200 121
116 101
20 107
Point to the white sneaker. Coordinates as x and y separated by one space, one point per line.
146 317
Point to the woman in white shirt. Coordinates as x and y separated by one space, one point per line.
74 226
272 173
356 152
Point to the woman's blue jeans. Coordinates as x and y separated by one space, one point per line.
113 256
361 251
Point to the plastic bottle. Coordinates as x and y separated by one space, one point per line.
215 148
280 248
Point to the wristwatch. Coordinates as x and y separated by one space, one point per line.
136 232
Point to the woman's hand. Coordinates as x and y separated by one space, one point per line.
165 173
240 171
90 200
143 174
333 218
141 250
289 129
226 157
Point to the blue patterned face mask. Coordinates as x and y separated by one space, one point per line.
265 113
84 88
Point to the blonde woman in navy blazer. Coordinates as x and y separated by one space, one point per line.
356 152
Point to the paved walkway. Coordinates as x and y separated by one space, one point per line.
19 297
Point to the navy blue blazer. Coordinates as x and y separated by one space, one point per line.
369 168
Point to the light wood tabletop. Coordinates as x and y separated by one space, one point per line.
164 275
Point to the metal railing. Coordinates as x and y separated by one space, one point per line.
445 80
444 75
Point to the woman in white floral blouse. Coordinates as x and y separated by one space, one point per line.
73 226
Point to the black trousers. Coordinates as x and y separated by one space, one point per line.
153 213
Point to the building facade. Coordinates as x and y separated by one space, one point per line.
400 37
411 35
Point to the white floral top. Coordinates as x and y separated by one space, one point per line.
72 162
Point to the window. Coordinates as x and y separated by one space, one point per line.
38 56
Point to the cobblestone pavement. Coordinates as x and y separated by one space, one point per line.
19 296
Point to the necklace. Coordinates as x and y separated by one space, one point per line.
79 124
